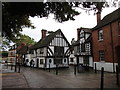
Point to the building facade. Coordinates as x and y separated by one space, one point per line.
83 47
12 55
51 50
106 42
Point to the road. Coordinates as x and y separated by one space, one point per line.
38 78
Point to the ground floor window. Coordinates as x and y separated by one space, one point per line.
102 55
65 60
50 61
71 60
58 61
41 61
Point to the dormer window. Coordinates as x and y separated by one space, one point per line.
100 35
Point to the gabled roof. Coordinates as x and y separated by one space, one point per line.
46 41
87 30
86 41
108 19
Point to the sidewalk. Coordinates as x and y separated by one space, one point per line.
11 79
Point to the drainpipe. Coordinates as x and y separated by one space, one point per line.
112 47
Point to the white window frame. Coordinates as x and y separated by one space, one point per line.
100 35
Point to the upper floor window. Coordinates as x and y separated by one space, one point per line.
83 47
102 55
100 35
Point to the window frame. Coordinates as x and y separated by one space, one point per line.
100 38
102 55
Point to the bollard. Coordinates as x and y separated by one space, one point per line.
95 68
74 69
49 67
56 69
11 66
19 68
15 67
102 79
117 75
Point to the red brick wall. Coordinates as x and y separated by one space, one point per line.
106 44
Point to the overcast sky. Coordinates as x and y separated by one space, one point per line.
69 28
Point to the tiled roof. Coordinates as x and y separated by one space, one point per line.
108 19
88 30
46 41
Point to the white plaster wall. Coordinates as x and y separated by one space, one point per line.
107 66
91 62
65 49
28 56
52 48
87 35
74 59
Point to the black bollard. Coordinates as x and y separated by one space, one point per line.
19 68
11 66
102 79
56 69
95 68
15 67
49 67
117 75
74 69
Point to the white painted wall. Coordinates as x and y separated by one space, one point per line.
28 56
52 48
91 61
107 66
74 59
65 49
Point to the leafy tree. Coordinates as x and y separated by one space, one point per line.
25 39
15 16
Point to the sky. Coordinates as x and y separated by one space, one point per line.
69 28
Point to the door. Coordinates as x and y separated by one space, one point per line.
37 63
86 60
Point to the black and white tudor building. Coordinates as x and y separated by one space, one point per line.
83 47
52 49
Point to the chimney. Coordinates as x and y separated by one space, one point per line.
43 31
78 33
98 16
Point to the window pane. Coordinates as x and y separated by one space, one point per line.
100 34
101 55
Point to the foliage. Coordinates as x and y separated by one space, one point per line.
24 39
15 16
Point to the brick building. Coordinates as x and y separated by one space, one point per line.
106 41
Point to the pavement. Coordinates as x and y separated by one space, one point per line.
39 78
11 79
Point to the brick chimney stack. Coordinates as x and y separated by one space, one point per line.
98 16
78 33
43 31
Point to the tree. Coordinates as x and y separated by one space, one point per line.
15 15
25 39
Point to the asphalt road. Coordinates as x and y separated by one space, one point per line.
38 78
